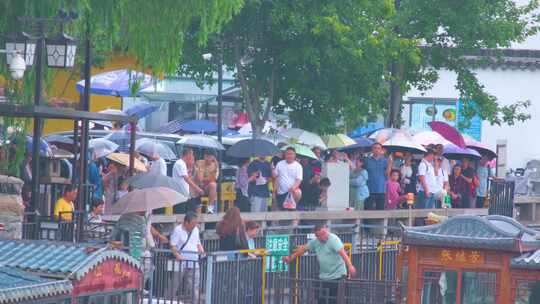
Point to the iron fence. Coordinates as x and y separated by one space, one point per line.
501 198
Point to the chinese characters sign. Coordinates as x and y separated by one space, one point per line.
108 276
461 256
278 247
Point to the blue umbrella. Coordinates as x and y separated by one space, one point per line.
361 143
199 126
365 129
44 148
229 132
117 83
141 110
122 139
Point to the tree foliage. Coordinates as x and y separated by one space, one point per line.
323 60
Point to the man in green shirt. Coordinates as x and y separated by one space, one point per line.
333 262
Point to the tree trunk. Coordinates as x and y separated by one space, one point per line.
394 118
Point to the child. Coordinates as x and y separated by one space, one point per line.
123 188
252 228
392 196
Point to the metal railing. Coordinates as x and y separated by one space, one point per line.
501 197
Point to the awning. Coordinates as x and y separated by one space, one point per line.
180 89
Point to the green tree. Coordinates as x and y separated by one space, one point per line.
447 33
323 60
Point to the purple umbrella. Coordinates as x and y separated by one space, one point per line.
455 152
448 132
120 83
483 149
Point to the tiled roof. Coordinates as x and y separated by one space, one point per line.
489 232
56 258
529 260
17 286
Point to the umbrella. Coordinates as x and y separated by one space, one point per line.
44 147
110 112
247 128
427 138
61 141
481 148
123 159
141 109
148 180
201 141
404 143
102 147
199 126
275 138
454 152
152 147
122 138
301 150
335 141
361 143
61 153
229 132
448 132
382 135
120 83
304 137
142 200
253 148
365 129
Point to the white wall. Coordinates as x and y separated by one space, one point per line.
508 86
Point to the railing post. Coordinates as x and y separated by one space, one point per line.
209 267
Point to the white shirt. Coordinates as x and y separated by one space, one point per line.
180 236
287 175
179 173
426 170
158 166
440 179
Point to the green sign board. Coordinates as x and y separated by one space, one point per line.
278 247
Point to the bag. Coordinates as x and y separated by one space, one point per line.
289 202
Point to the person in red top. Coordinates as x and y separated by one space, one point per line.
392 193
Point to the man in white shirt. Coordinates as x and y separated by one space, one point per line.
186 247
181 174
427 182
289 177
157 165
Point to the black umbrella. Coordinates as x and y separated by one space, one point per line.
149 180
253 148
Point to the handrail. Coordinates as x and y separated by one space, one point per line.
315 215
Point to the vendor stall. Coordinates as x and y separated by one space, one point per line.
471 259
88 274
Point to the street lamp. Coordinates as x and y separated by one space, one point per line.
61 51
16 64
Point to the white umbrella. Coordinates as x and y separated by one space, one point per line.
201 141
110 112
304 137
102 147
152 147
427 138
403 142
142 200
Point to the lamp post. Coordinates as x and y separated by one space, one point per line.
219 98
60 53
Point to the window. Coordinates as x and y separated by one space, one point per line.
127 297
439 287
528 292
478 287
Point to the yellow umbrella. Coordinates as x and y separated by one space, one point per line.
335 141
123 159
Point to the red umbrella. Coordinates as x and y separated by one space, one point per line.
448 132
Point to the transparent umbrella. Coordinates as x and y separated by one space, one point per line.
152 147
102 147
201 141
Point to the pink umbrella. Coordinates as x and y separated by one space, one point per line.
448 132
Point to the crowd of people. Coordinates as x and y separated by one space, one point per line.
378 180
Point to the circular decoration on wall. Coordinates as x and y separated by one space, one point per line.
449 114
431 111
